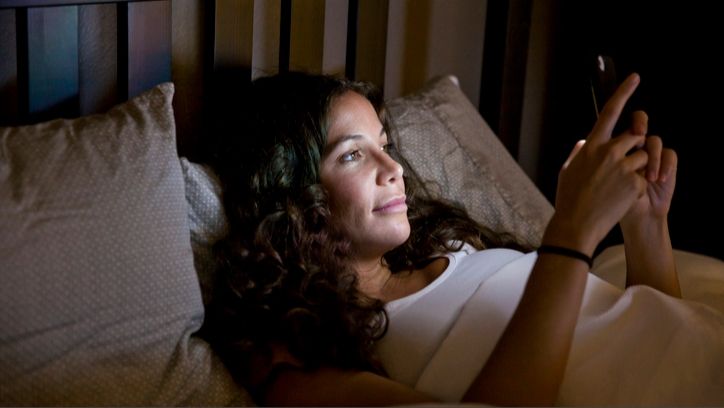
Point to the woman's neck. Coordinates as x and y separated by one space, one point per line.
377 280
373 275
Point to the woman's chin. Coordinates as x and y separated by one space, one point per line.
397 237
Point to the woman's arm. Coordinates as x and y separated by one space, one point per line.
649 255
336 387
597 185
528 362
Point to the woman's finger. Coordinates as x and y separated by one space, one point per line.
639 123
636 161
577 148
669 162
625 143
654 146
612 110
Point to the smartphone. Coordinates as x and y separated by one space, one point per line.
603 81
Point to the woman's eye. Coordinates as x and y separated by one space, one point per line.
388 147
351 156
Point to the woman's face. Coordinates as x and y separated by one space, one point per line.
367 192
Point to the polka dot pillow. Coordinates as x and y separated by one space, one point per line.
99 300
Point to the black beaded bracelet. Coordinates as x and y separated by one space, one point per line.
571 253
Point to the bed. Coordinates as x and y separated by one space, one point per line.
108 214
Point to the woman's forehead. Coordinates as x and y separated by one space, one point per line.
350 113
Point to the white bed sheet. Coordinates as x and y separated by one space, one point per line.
632 347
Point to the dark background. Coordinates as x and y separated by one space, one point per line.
676 47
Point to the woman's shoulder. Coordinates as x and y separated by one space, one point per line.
467 264
489 257
475 266
467 249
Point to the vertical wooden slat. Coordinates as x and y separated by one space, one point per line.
371 40
8 68
285 27
267 18
534 121
415 64
209 41
504 68
335 36
350 67
188 68
21 32
491 76
144 53
306 45
98 58
516 58
233 33
50 39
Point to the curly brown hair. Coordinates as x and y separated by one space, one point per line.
286 277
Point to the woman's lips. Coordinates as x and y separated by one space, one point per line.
393 206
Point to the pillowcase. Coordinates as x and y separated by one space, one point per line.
99 296
207 220
447 142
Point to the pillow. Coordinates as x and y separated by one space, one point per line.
447 142
99 295
207 220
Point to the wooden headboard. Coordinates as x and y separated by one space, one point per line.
66 58
74 59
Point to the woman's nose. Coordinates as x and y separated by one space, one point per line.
389 170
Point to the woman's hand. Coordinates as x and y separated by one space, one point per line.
599 183
660 176
649 254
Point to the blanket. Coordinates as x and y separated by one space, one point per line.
634 346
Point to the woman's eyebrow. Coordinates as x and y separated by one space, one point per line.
330 147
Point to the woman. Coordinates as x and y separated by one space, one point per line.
327 226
